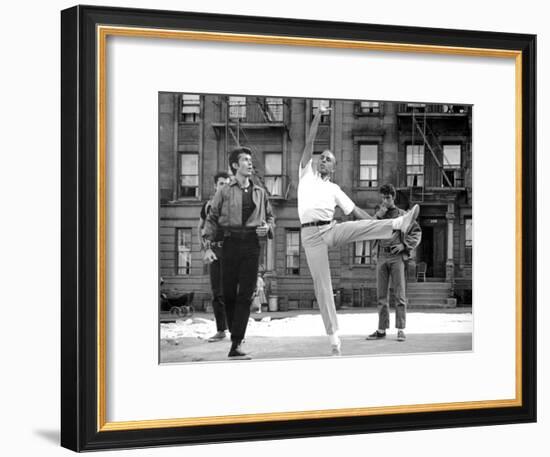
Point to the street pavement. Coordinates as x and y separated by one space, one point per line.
299 334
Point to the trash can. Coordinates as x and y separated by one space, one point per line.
273 303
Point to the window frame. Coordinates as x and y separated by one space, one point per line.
359 181
371 259
281 175
179 175
374 111
197 116
289 231
189 266
359 140
269 104
241 106
407 165
454 172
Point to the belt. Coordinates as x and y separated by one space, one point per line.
216 244
315 224
386 250
241 233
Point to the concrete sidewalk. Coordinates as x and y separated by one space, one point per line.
301 335
189 349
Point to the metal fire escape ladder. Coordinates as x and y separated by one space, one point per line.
429 133
259 172
266 111
412 194
422 131
258 178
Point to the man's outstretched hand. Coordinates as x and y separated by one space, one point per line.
209 256
262 230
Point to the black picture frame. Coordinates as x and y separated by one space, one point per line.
80 419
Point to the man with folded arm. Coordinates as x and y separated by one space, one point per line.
390 266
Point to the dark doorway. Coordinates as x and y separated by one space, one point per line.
425 250
432 249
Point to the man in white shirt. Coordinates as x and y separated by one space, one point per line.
317 199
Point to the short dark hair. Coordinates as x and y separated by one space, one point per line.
220 174
235 154
388 189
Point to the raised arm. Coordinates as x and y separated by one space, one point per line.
308 149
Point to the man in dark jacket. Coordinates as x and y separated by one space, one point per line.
242 212
220 180
390 266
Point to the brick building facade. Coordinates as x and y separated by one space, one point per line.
425 150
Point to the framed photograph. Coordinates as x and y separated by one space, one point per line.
403 153
277 228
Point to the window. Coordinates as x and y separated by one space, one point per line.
415 165
273 177
453 109
189 175
190 108
362 253
368 165
183 251
369 107
468 241
315 104
274 109
237 108
451 165
416 107
292 252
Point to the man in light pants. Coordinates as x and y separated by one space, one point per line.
317 199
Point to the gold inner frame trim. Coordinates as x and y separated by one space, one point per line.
102 33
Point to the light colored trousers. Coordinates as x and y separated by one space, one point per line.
318 240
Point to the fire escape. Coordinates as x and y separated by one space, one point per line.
421 129
258 114
435 173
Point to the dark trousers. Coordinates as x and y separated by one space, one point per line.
240 272
391 270
218 304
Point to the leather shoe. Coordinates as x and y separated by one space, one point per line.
376 335
218 336
237 353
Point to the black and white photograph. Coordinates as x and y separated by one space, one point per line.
301 228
